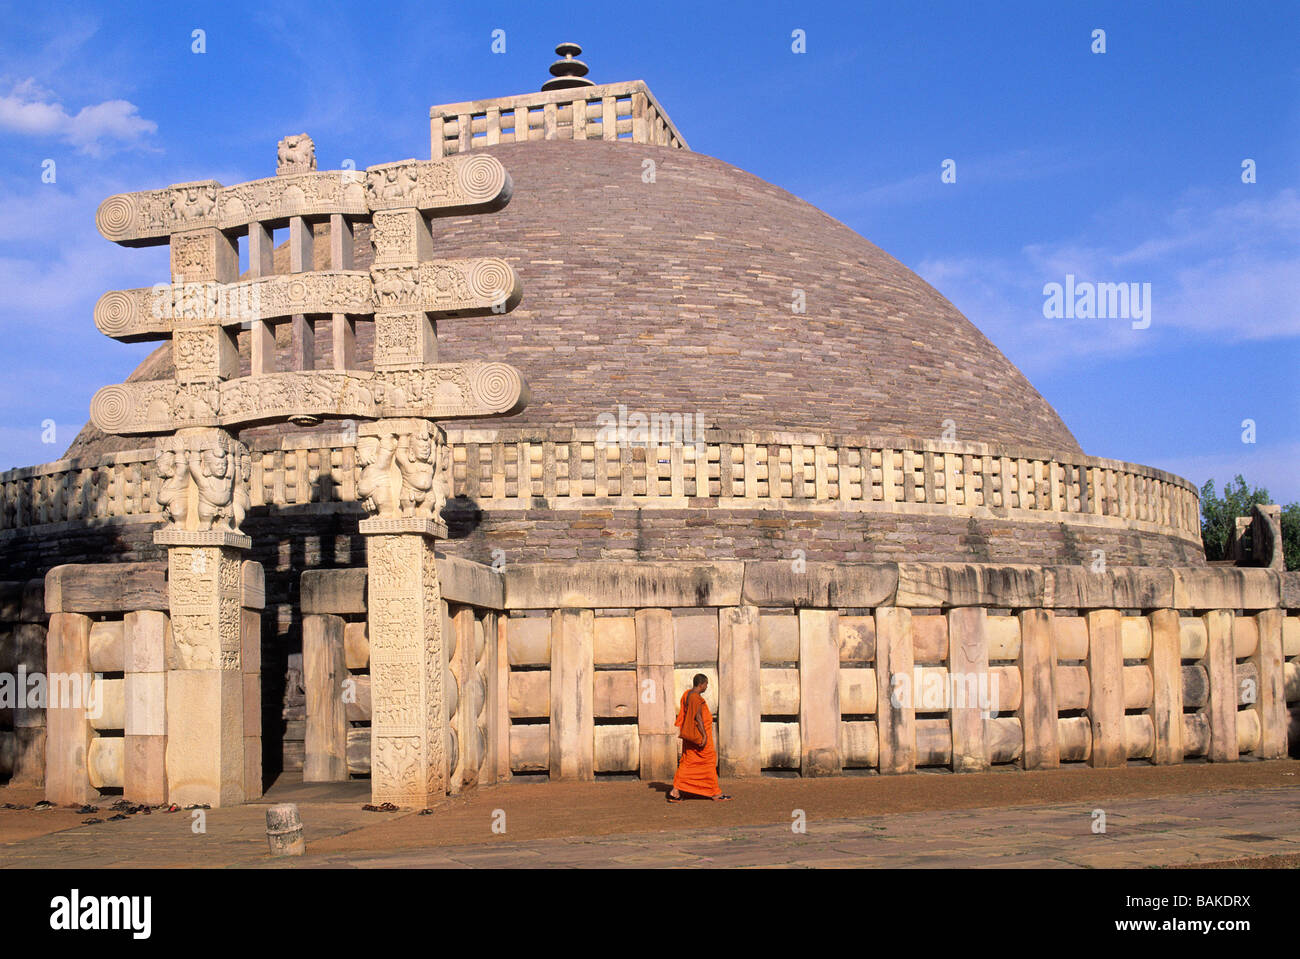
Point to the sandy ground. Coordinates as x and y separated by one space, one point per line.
338 828
549 810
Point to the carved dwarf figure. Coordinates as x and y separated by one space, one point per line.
416 462
174 485
216 485
374 485
241 501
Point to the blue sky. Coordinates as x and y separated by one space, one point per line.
1122 166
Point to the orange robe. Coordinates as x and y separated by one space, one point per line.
697 772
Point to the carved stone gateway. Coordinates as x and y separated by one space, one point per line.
404 463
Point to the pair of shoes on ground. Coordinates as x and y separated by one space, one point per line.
721 797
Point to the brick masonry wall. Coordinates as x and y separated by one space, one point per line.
699 534
310 537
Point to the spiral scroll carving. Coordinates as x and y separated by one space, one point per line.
111 408
492 279
116 216
496 385
115 313
481 177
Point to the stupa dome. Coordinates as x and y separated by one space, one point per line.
828 399
678 296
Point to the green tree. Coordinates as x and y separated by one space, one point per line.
1291 535
1219 513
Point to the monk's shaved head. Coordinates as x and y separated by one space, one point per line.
699 680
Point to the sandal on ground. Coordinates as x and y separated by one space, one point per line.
721 797
678 799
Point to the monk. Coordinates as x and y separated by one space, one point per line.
698 770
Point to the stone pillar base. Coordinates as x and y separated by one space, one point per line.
205 674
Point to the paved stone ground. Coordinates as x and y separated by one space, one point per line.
1166 816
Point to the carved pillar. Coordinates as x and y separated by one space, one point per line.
302 338
203 351
296 155
412 746
261 262
343 328
204 487
410 743
405 337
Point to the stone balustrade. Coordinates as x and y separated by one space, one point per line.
627 112
336 674
22 658
569 468
132 706
891 667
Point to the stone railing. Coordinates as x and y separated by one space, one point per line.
614 111
22 657
891 667
782 470
129 701
79 490
569 468
336 674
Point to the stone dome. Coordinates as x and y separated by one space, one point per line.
676 297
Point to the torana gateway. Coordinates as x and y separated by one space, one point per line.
457 470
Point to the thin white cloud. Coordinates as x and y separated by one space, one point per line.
1270 466
54 265
31 110
64 288
1012 166
1223 273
